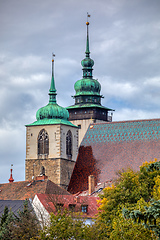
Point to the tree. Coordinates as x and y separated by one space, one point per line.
65 226
26 224
6 224
129 188
21 226
149 217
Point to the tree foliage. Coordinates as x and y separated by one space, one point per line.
21 226
132 191
64 226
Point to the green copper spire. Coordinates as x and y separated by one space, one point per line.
52 113
87 89
52 90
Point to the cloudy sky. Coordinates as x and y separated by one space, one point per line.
125 46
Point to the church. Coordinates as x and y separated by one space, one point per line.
70 144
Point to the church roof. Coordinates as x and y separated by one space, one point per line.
110 147
88 105
27 189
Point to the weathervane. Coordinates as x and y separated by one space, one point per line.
53 55
88 15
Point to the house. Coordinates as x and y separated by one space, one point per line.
44 204
27 189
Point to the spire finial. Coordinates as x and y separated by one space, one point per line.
87 44
52 90
53 55
11 178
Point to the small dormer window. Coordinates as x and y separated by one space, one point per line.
84 208
72 207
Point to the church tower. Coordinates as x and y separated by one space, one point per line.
87 108
51 142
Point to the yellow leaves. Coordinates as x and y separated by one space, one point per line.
141 203
103 202
109 188
146 164
156 188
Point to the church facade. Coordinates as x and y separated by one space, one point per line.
70 144
51 142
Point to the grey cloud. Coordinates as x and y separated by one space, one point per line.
124 43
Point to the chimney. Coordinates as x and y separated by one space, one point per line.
11 178
43 177
91 184
77 199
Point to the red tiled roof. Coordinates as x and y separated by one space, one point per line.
49 202
26 189
110 147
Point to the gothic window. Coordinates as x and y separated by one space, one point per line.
43 142
69 144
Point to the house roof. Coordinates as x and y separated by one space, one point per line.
27 189
13 205
49 201
109 147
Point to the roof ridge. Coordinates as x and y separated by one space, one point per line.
137 120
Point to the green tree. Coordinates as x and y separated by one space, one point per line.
126 192
149 217
26 224
21 226
6 225
65 225
127 229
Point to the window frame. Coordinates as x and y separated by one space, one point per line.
43 143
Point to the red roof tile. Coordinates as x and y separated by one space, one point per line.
26 189
49 202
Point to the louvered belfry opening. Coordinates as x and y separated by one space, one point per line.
43 143
69 144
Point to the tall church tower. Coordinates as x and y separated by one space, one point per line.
87 108
51 142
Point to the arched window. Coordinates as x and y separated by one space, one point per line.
69 144
43 142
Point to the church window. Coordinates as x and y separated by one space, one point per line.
43 143
69 144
